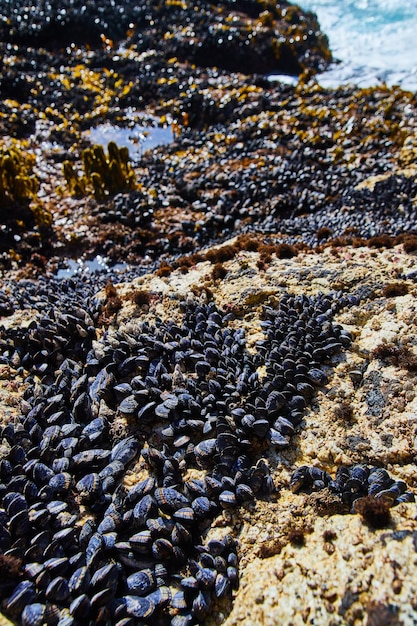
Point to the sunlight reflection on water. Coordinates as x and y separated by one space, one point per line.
137 138
98 264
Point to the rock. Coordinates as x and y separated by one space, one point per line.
327 577
321 207
305 556
248 35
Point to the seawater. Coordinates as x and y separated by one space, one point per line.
374 40
137 138
99 264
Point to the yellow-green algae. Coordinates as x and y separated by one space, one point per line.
18 184
103 174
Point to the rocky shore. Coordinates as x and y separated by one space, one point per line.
304 558
247 154
223 430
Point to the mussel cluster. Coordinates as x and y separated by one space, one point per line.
128 446
352 483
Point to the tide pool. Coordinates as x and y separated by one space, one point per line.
137 138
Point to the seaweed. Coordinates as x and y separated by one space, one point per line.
104 175
343 411
380 614
224 253
391 290
18 184
219 271
140 296
400 356
113 302
375 511
296 536
10 567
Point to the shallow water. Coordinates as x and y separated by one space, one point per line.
375 40
98 264
137 138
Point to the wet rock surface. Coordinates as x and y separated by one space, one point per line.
222 431
263 36
247 154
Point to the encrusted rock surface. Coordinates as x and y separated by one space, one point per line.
321 186
263 36
344 573
304 559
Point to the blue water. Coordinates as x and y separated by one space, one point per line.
137 138
375 41
98 264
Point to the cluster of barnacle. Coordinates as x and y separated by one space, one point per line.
17 182
105 174
128 447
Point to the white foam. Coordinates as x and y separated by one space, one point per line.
375 40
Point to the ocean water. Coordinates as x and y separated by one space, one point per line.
374 40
